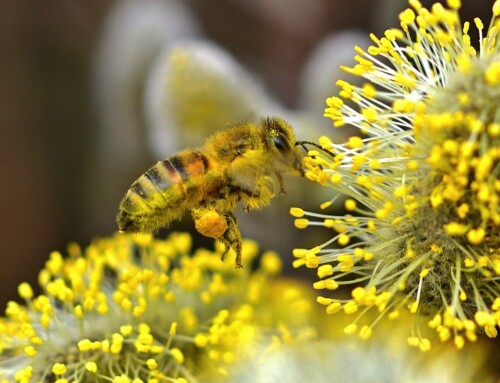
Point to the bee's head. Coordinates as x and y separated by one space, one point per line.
280 141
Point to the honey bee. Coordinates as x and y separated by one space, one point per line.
241 163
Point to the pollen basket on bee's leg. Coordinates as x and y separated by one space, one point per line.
209 223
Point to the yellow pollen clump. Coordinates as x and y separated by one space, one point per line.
350 204
393 315
412 165
369 90
91 367
476 236
334 102
463 98
211 224
299 253
30 351
301 223
401 191
312 261
152 364
343 239
406 81
333 308
492 74
350 329
325 205
271 262
296 212
455 228
59 369
336 178
407 16
370 114
483 318
436 248
414 307
324 301
325 142
404 106
25 291
454 4
424 273
350 307
468 263
494 129
331 284
459 342
354 142
325 271
365 332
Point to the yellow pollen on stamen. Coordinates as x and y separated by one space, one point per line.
301 223
296 212
325 205
354 142
476 236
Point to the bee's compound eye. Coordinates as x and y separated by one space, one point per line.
279 143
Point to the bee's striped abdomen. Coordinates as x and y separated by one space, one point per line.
160 195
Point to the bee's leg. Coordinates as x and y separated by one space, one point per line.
232 239
279 176
261 194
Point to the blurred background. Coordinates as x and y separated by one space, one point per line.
73 74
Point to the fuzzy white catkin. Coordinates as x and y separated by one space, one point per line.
217 88
356 362
132 35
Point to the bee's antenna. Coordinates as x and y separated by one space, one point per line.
304 143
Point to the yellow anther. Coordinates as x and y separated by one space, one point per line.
324 301
301 223
296 212
407 16
333 308
59 369
350 307
350 329
325 271
365 332
354 142
476 236
325 205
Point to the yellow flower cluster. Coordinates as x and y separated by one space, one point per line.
423 225
132 309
